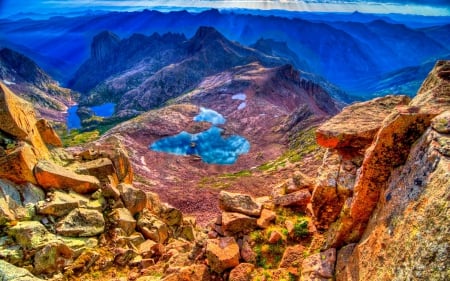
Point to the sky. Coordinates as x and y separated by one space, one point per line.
418 7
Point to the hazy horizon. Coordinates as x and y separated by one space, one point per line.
412 7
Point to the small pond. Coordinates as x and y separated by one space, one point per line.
104 110
210 145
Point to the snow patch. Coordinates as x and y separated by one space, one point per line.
242 105
240 96
8 82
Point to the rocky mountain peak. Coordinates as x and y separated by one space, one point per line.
204 36
104 45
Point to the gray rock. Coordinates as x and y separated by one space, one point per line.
81 222
239 203
9 272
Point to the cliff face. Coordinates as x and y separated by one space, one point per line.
394 193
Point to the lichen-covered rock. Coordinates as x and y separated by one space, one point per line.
357 124
292 259
239 203
60 203
122 218
170 215
81 222
298 199
236 222
407 235
329 196
49 136
134 199
152 227
9 272
222 253
11 206
52 258
51 176
389 150
30 234
319 266
242 272
343 258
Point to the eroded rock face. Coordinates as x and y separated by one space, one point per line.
407 235
17 118
9 272
222 253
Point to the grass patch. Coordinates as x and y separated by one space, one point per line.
76 137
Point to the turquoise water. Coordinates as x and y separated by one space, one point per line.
104 110
210 145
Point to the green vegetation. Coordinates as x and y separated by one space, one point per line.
243 173
300 145
301 227
79 136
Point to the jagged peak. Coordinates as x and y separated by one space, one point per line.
207 32
103 43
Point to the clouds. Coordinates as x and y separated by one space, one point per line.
425 7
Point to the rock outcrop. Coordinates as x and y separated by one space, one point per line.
396 203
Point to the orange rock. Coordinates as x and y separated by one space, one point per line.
358 123
242 272
47 133
267 216
18 165
222 253
236 222
292 259
390 149
17 118
49 175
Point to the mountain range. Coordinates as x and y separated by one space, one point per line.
345 53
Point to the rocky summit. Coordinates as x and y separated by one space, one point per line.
375 209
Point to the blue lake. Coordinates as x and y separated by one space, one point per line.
210 145
104 110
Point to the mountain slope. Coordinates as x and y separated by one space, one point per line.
26 78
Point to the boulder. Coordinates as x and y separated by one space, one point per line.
222 253
122 218
441 123
153 202
134 199
267 217
239 203
101 168
53 257
81 222
17 118
343 259
60 203
298 199
319 266
152 227
17 165
51 176
30 234
145 249
11 207
170 215
49 136
292 259
246 251
356 125
31 194
236 222
242 272
301 181
9 272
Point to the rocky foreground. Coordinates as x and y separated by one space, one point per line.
377 210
